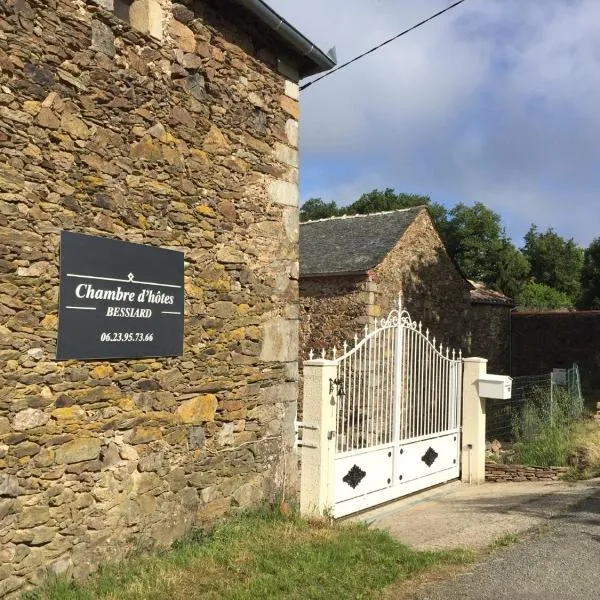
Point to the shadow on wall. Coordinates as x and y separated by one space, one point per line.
541 342
334 309
433 292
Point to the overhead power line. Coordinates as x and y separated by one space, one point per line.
374 49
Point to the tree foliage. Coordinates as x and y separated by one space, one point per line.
554 261
590 278
477 242
539 296
372 202
315 208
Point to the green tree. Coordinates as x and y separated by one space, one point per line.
477 242
315 208
539 296
554 261
511 268
380 201
590 278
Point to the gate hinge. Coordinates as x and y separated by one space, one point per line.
302 425
307 445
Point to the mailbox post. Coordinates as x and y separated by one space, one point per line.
478 385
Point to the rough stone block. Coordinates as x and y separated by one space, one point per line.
280 341
32 516
196 438
198 410
182 36
29 419
4 425
147 16
291 132
215 142
286 155
291 107
292 90
9 486
103 39
283 192
143 435
78 450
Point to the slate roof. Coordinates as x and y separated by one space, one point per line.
351 244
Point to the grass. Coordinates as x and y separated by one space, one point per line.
508 539
261 554
586 441
550 446
545 429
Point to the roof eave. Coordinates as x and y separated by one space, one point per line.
316 61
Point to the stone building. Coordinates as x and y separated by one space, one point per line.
168 125
490 327
353 268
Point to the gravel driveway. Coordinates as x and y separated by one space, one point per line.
562 563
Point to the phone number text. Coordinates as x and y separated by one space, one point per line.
120 336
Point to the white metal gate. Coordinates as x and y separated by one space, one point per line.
398 414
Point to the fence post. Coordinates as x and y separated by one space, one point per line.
473 422
318 437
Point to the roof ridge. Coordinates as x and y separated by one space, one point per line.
383 212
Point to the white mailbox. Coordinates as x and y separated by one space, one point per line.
497 387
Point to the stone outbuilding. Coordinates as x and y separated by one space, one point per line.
353 268
490 326
170 125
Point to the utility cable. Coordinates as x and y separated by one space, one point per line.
441 12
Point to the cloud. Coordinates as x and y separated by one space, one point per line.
495 101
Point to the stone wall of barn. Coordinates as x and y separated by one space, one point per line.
543 341
168 125
333 310
490 335
433 291
336 308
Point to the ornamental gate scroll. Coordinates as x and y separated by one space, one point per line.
395 401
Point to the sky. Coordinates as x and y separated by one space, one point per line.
496 101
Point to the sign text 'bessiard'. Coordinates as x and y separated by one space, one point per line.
118 300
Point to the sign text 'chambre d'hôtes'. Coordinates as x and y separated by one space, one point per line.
118 299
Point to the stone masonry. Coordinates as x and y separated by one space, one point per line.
169 125
433 289
335 308
543 341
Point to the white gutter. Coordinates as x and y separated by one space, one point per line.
302 45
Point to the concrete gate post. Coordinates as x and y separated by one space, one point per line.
318 437
473 422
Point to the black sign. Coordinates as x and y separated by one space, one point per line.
118 300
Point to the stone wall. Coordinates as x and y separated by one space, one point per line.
500 473
490 335
433 290
542 341
185 142
333 310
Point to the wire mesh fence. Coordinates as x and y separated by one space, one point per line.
536 401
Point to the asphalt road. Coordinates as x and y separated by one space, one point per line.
562 563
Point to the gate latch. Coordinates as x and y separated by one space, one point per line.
330 435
